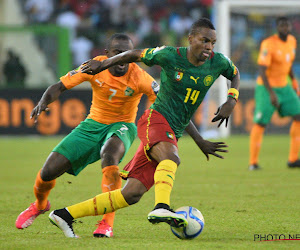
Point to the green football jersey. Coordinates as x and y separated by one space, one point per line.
183 85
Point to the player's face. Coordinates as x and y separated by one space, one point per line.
202 44
284 28
117 47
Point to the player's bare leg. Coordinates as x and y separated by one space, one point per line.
55 165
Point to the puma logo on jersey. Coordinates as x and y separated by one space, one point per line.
108 186
195 80
122 129
100 83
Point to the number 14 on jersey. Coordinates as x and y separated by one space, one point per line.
191 95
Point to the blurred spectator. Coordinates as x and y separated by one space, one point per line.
13 70
81 7
81 48
245 54
68 19
39 11
180 22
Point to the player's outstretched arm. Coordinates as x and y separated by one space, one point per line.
225 110
207 147
93 67
50 95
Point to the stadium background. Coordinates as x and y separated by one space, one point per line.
42 40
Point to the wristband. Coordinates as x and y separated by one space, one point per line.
234 93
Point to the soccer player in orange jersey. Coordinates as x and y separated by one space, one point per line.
107 133
273 92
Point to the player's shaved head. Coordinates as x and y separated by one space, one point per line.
284 27
119 37
116 44
201 23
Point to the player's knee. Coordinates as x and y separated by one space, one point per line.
46 174
296 118
108 159
55 166
134 197
261 125
133 190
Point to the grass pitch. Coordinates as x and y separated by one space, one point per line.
236 204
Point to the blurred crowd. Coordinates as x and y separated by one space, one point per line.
91 22
149 23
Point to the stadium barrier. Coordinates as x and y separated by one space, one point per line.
73 107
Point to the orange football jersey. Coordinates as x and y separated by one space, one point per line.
278 57
115 99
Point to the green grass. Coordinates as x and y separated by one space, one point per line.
236 203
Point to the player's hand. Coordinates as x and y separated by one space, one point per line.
224 111
91 67
35 113
208 147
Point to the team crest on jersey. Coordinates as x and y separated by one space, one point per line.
178 76
129 91
208 80
170 135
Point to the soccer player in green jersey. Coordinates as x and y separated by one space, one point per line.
187 74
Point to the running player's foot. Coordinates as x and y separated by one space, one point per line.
103 230
63 220
26 218
294 164
254 167
163 213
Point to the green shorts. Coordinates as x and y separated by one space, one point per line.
83 145
288 100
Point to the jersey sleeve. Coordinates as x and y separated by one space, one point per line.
157 56
230 70
75 77
148 86
265 54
